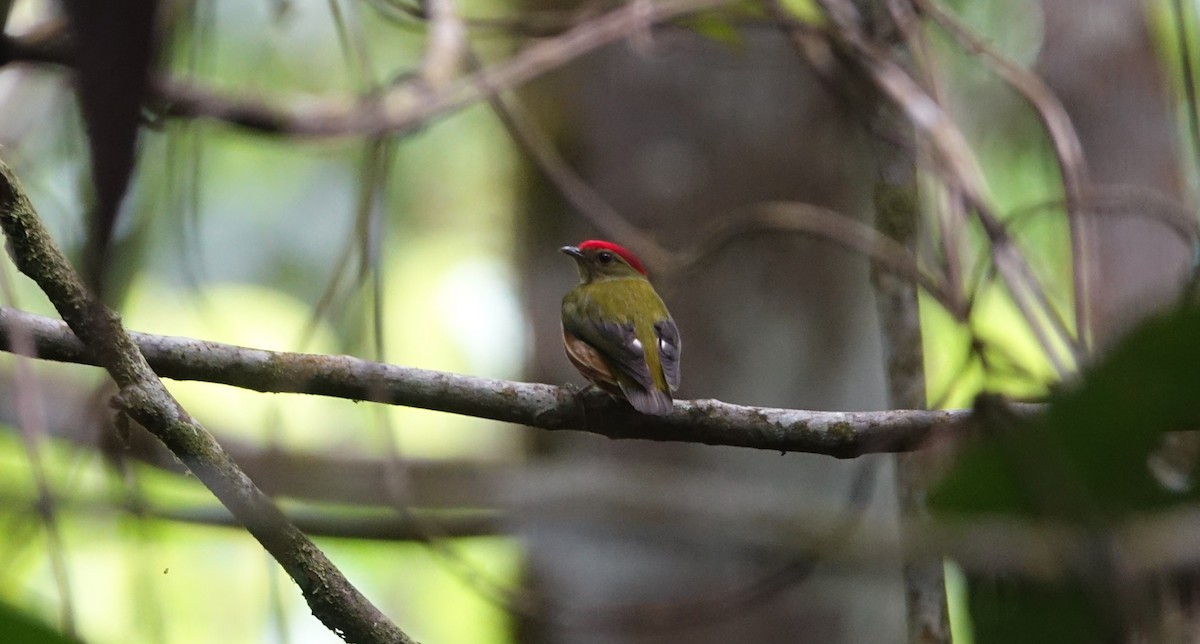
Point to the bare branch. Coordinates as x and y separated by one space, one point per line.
446 44
405 108
711 422
340 606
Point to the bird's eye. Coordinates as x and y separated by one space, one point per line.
605 257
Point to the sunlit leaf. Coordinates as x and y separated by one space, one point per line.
806 10
1089 452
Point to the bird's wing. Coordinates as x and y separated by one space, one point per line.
616 341
669 345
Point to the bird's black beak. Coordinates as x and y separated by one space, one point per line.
573 251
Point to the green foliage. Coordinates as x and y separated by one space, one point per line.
240 236
721 25
1084 461
1089 450
806 10
18 628
1008 611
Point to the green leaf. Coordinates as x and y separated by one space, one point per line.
806 10
1084 461
1006 611
1087 455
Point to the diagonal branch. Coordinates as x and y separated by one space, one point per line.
711 422
142 397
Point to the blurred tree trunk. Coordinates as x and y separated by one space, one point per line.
676 132
897 217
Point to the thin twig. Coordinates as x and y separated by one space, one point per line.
961 168
1189 75
807 219
1067 147
1125 200
595 208
827 225
445 46
353 45
947 211
32 423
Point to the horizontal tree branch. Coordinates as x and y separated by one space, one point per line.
406 107
711 422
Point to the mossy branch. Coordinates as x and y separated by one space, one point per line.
834 433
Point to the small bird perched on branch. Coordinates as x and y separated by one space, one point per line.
616 329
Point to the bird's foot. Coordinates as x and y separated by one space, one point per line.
578 392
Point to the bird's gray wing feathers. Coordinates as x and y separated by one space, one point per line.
669 345
649 400
618 343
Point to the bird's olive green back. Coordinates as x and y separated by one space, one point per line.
594 311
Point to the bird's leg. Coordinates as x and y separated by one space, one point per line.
577 395
577 392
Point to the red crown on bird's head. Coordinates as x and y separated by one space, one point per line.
629 257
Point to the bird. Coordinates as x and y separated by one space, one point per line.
616 329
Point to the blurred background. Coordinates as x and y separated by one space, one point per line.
437 248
